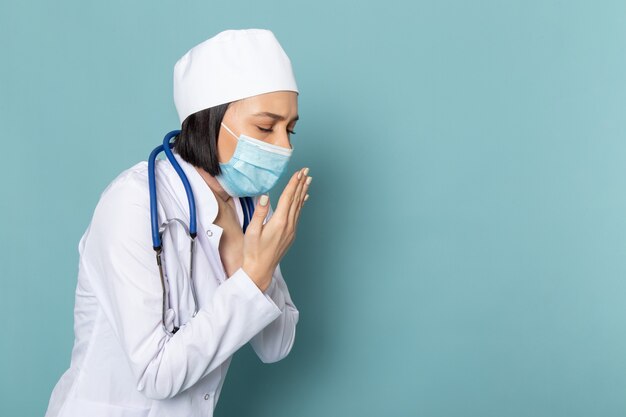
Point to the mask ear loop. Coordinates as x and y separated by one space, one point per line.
229 131
270 146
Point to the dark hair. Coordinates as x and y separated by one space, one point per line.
197 141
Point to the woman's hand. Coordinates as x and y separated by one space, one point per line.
264 245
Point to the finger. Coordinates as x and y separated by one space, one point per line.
260 213
304 194
305 197
305 189
297 198
284 202
305 180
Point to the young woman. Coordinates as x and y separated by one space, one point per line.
163 304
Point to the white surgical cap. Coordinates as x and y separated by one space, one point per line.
232 65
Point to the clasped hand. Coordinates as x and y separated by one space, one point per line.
264 245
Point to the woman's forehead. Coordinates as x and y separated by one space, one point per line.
279 105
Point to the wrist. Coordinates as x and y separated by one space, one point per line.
261 278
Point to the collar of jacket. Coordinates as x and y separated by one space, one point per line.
206 202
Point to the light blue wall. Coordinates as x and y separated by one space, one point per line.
463 251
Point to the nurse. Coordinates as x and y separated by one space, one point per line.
138 353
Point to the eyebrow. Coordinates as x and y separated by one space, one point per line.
275 116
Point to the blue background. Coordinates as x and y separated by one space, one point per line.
462 253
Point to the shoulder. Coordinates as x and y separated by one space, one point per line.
121 218
133 179
125 197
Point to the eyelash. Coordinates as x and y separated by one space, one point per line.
291 132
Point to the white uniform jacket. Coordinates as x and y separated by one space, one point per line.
123 364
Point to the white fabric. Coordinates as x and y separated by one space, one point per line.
230 66
123 364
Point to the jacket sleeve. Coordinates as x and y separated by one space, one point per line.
119 259
275 341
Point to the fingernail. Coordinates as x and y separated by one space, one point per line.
299 174
263 200
306 171
306 197
308 180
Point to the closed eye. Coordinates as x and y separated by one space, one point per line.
291 132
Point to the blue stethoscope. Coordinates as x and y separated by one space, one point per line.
158 230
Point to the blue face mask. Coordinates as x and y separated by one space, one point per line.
254 168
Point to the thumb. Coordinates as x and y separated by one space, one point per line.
260 213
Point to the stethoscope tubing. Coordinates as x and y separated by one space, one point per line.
246 205
154 217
